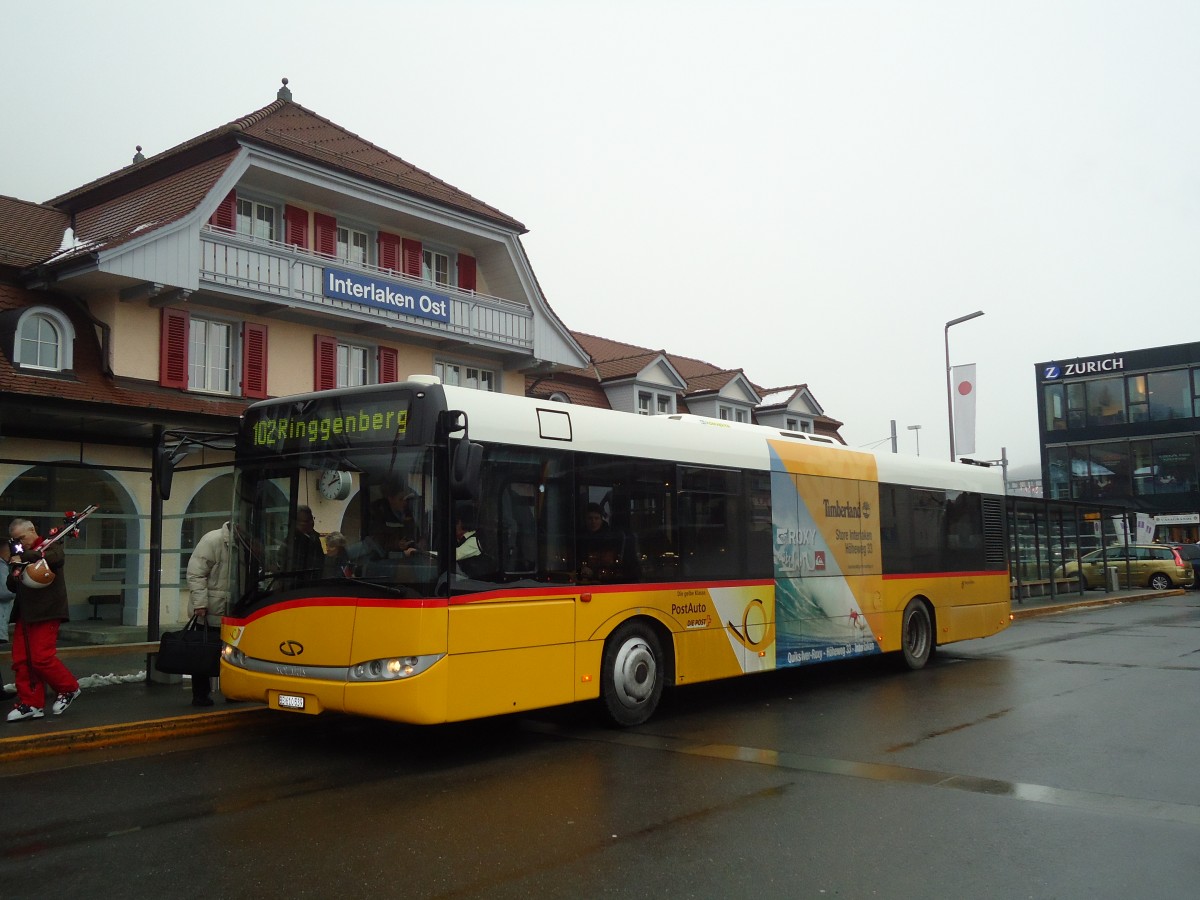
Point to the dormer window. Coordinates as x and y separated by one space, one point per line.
45 340
652 403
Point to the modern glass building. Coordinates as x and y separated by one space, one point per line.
1122 429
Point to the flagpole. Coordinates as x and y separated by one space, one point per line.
949 390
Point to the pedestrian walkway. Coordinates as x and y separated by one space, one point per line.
120 706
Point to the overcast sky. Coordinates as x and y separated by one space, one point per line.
805 190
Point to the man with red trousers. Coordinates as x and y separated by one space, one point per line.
39 609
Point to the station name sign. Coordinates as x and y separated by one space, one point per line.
1083 367
378 292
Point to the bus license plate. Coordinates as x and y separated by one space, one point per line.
291 701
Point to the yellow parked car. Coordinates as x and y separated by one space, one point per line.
1156 566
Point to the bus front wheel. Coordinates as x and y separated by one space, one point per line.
916 635
633 674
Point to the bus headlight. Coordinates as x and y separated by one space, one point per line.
233 656
391 668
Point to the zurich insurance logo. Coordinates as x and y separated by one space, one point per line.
1051 373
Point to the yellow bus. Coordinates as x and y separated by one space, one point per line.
487 554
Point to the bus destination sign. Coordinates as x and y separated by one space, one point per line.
334 423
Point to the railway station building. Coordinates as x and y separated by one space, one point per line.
279 253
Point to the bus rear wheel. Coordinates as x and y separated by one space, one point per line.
632 679
916 635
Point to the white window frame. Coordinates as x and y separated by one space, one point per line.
44 319
353 245
429 258
464 374
113 538
355 365
212 355
255 215
655 403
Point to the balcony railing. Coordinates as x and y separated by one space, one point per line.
254 266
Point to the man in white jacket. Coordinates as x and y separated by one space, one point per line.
208 585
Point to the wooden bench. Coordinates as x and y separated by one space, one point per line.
102 599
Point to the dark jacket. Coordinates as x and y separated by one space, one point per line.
42 604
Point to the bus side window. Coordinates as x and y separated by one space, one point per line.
517 530
712 522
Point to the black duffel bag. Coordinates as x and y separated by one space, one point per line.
196 650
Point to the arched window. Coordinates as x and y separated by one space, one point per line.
45 340
560 397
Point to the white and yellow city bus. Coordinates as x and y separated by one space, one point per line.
607 556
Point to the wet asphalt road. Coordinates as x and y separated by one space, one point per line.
1055 760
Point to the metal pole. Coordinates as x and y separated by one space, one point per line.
916 429
949 388
154 589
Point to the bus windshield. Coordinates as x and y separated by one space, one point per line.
359 524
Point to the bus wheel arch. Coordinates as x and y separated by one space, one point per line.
635 670
918 633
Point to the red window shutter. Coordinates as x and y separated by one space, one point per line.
297 226
226 214
326 234
254 361
173 350
466 272
412 257
389 251
325 363
387 365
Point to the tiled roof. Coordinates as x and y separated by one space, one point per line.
296 131
714 381
605 352
625 367
581 391
781 396
87 382
615 359
29 232
153 205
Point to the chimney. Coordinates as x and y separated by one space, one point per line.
284 93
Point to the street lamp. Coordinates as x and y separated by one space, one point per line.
917 429
949 392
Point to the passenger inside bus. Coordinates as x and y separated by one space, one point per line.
604 553
304 551
337 557
393 523
472 561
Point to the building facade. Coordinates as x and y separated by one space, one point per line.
1122 429
279 253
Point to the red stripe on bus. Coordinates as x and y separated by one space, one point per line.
898 577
